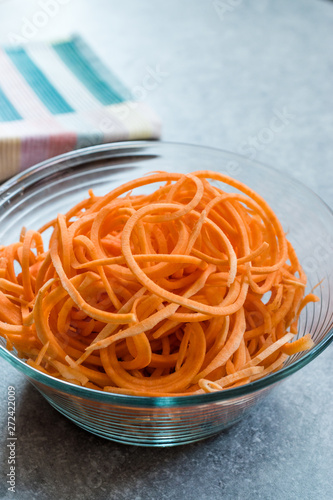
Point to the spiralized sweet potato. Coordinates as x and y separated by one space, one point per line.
188 289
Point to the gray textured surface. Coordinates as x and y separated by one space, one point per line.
227 71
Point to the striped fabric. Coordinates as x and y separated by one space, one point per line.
55 97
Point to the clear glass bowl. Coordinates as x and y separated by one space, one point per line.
35 196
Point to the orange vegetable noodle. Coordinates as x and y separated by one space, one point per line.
189 289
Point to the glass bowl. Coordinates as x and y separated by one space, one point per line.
35 196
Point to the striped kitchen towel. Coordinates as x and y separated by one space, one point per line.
55 97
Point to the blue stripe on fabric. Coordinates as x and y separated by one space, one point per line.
72 55
7 111
100 68
39 83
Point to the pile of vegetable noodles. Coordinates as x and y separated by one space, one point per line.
186 290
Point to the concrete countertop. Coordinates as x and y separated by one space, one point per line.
224 70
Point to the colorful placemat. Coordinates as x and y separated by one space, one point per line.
56 97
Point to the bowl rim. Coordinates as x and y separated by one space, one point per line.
37 377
